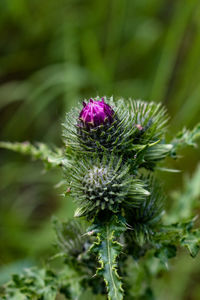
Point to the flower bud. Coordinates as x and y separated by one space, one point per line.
94 114
102 189
104 184
105 125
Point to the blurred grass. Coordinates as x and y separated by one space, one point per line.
53 53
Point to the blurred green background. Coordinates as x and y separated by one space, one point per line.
56 52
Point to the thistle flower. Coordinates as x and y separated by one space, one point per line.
101 125
104 184
150 119
124 128
95 113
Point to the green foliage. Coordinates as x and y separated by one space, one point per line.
40 151
32 284
192 242
138 279
112 183
108 249
185 138
37 284
180 234
156 153
182 209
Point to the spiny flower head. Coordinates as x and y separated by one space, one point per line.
101 125
150 119
95 113
102 188
104 184
127 128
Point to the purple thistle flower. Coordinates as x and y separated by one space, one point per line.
95 113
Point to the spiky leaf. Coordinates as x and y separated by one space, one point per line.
108 249
179 234
40 152
192 242
185 138
31 284
185 201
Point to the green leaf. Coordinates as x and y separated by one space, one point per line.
108 249
137 279
71 282
37 284
192 242
176 235
166 252
185 201
185 138
41 151
31 284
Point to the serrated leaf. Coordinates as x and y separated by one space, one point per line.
108 249
185 201
192 242
176 235
185 138
32 284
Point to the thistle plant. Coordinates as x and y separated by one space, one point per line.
112 153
